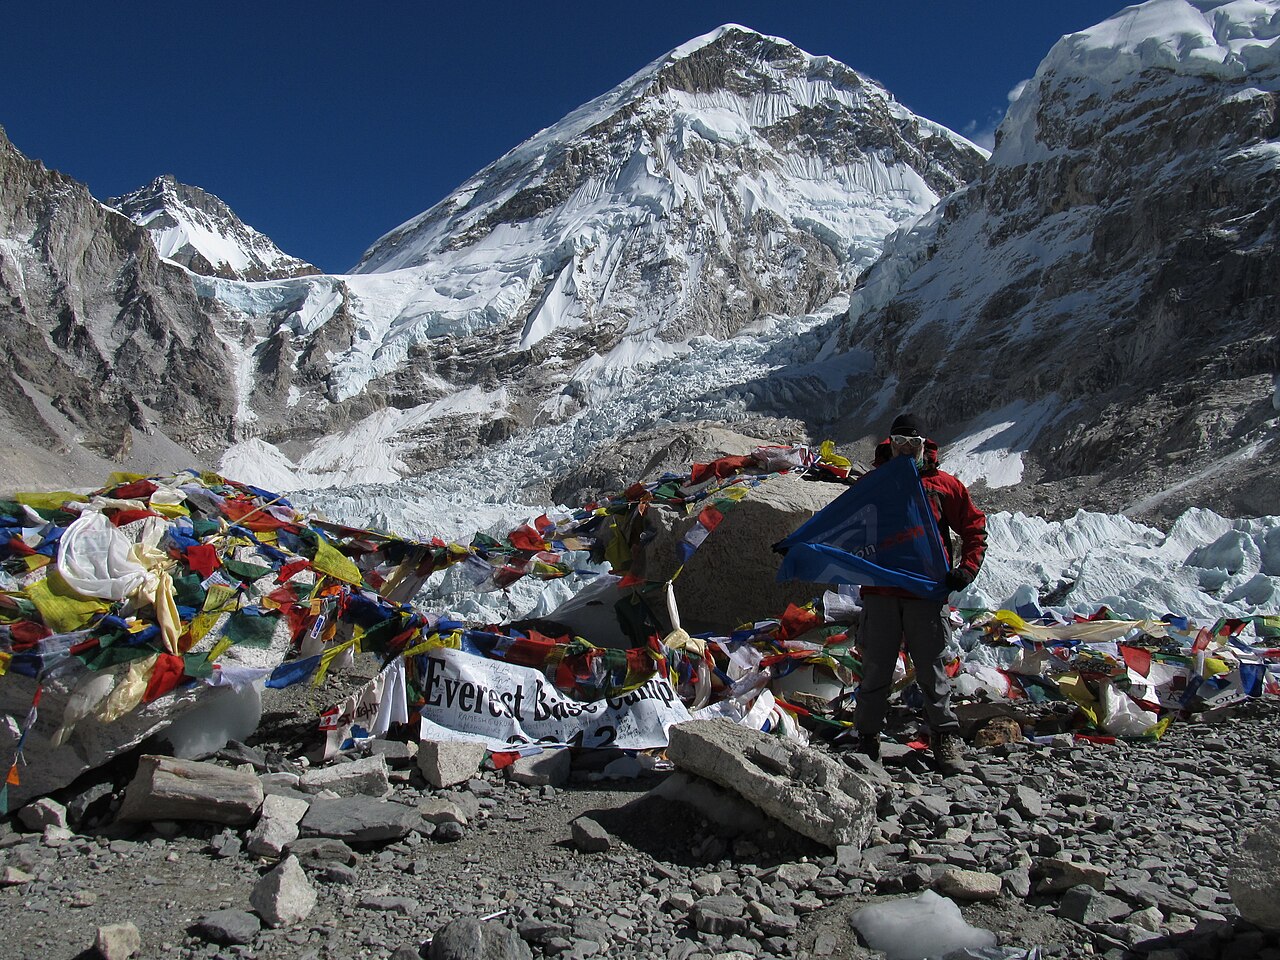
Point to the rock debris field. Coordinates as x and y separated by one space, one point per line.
1072 847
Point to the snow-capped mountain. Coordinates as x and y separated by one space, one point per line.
1085 323
1093 320
733 179
199 231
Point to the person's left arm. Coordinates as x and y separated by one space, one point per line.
970 523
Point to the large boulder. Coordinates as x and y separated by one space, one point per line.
732 577
1254 877
808 791
166 788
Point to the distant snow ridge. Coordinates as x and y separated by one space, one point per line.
199 231
1206 567
1217 39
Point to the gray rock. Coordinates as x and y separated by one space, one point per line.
366 777
226 844
228 927
797 876
338 873
968 885
359 820
1017 881
277 827
284 896
449 832
78 806
818 798
722 915
166 788
740 553
1027 802
728 811
1253 877
1057 875
540 931
468 939
43 813
707 885
13 877
438 810
448 762
1148 918
397 753
118 941
1084 904
320 850
848 859
549 767
588 836
390 904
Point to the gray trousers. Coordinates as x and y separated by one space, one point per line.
886 623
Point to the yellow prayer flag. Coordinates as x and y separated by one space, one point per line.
120 477
1074 688
335 564
827 454
61 608
49 501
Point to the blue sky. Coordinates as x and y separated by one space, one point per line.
327 123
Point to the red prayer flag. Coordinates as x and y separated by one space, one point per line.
164 676
526 538
203 559
1137 659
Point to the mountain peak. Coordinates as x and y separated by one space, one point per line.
731 31
193 227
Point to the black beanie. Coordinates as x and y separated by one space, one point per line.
907 425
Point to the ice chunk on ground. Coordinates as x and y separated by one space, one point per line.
227 714
920 928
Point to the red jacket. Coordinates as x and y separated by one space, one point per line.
952 508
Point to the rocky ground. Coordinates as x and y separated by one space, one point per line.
1082 849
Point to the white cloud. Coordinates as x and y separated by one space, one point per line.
983 132
1017 90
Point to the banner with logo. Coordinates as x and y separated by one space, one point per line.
504 706
881 532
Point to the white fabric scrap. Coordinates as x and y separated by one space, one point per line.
394 705
94 558
234 675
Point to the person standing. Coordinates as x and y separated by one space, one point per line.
892 616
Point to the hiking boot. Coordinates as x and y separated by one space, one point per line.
948 753
869 746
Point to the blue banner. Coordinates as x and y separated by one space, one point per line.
881 532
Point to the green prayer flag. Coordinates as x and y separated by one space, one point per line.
250 630
248 572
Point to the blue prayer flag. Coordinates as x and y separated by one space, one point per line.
881 532
293 671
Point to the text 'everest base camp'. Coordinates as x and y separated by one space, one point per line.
745 520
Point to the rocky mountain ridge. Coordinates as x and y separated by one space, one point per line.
110 356
736 178
1102 298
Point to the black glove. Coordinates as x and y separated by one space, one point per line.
958 579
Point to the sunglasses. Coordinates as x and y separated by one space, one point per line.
903 440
